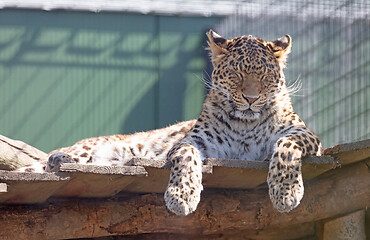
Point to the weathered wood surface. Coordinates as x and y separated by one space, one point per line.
147 175
74 181
98 181
241 174
305 231
337 192
30 188
350 226
224 173
144 175
350 152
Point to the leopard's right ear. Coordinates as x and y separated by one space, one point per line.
217 45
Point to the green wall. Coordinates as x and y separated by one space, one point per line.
65 76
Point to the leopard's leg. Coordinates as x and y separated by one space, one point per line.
285 177
56 159
185 185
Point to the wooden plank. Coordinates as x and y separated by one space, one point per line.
29 177
338 192
29 187
82 181
98 181
158 176
235 163
313 166
155 182
223 173
350 152
244 174
104 181
103 170
237 174
154 163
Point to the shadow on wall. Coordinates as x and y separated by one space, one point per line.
179 93
65 76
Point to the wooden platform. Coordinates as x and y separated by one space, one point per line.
96 201
144 176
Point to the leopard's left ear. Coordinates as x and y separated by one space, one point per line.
281 48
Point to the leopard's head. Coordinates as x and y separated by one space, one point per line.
248 70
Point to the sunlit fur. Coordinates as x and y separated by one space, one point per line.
247 68
247 114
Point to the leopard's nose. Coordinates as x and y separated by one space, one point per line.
250 100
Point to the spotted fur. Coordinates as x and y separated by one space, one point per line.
115 150
247 114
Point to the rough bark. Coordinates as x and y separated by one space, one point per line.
337 192
348 227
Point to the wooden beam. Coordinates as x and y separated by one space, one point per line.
350 226
335 193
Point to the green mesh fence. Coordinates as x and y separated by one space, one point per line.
330 59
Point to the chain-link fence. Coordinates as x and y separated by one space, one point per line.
330 59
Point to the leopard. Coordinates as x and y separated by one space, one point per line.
247 114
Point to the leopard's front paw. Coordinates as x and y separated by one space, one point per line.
56 159
286 191
182 199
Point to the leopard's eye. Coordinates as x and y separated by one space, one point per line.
236 77
266 79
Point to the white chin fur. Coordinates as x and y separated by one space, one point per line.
248 115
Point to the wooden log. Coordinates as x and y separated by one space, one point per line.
304 231
337 192
348 227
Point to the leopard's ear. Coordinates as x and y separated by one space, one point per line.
281 48
217 45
